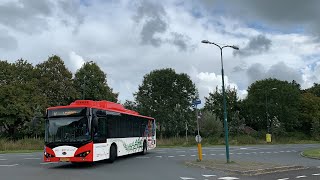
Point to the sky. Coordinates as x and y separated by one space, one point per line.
128 39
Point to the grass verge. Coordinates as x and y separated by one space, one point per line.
237 140
312 153
243 168
22 145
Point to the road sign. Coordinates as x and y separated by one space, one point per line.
198 138
196 102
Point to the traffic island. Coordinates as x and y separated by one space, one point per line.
311 153
243 168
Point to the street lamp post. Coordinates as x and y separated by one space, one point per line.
223 93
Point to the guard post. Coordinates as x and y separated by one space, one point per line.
198 137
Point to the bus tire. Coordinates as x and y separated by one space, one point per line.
144 149
113 153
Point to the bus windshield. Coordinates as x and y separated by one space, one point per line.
67 129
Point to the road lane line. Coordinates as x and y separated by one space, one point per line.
212 154
3 159
208 175
182 155
170 156
180 151
142 157
193 155
49 163
32 158
221 154
283 179
316 174
11 165
228 178
159 156
301 176
186 178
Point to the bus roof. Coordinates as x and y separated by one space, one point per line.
104 105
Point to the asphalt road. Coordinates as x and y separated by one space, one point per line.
162 163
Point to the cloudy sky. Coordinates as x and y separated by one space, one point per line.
127 39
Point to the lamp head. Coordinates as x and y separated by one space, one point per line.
205 41
235 47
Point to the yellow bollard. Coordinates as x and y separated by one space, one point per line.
268 138
200 151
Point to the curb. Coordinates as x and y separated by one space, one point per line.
252 172
301 154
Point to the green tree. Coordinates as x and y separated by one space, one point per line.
210 124
167 96
55 81
309 113
91 83
315 89
19 96
132 105
214 103
271 99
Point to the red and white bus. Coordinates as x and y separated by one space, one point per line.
88 131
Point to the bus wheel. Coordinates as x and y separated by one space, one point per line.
113 153
144 150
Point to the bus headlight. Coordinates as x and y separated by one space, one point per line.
83 154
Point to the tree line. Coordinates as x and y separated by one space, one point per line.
272 105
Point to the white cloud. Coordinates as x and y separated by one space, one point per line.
105 32
76 61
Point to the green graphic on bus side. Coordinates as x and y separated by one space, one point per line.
133 146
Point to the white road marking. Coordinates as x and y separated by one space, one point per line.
212 154
3 159
142 157
231 153
170 156
276 152
247 153
159 156
32 158
239 153
288 151
316 174
282 151
243 148
49 163
228 178
193 155
301 176
203 154
208 175
261 152
283 179
25 155
186 178
11 165
180 151
182 155
268 152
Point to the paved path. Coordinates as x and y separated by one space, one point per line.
162 163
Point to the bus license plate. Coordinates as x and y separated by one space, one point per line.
64 159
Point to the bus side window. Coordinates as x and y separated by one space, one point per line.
99 135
